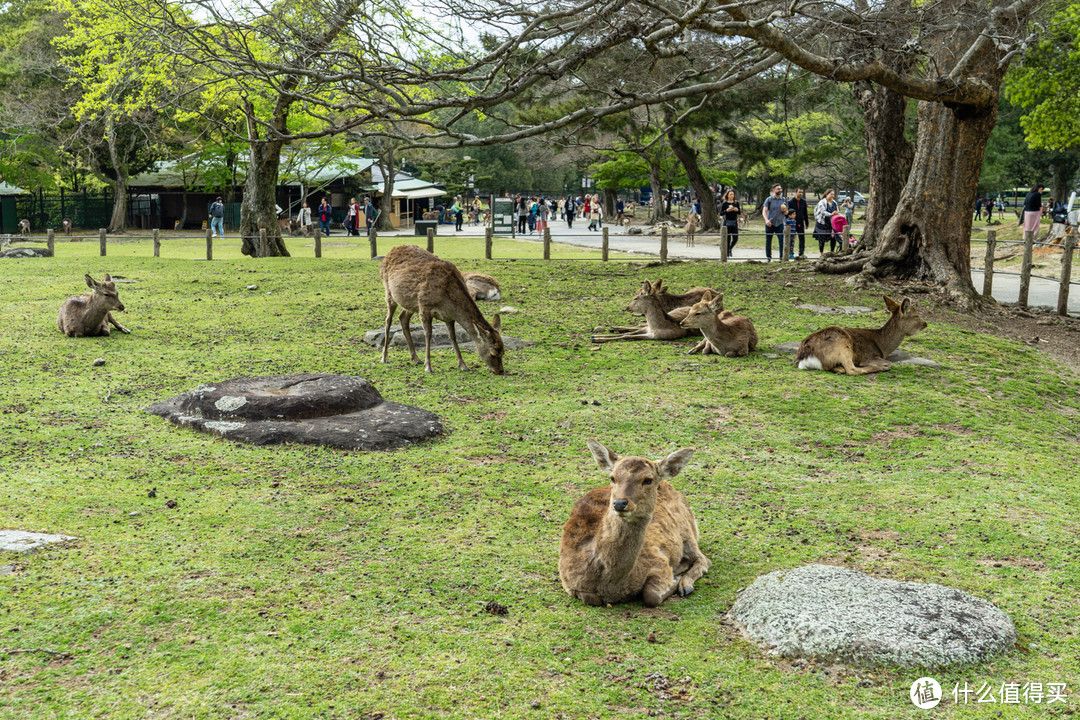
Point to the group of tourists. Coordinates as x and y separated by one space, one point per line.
534 214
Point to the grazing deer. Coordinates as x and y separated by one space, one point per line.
691 228
633 537
482 287
857 351
725 333
65 224
422 283
89 315
659 325
24 227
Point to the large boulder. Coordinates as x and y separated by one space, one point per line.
833 614
339 411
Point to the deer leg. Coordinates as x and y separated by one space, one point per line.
103 329
453 341
404 318
390 307
874 366
659 588
118 326
702 347
628 328
425 320
638 335
699 565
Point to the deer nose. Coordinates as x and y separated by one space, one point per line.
620 504
120 306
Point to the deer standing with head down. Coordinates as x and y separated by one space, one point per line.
422 283
636 537
859 351
89 315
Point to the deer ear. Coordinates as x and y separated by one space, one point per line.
673 464
90 283
717 303
496 322
605 459
708 295
905 306
108 277
891 304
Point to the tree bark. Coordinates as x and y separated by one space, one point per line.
928 236
657 192
688 157
608 197
386 206
258 209
119 213
888 152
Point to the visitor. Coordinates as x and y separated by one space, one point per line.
459 213
522 212
730 211
304 219
595 214
326 213
792 225
823 214
217 218
570 207
849 211
802 219
1033 209
620 209
352 218
543 212
532 215
979 207
839 222
773 214
370 215
989 210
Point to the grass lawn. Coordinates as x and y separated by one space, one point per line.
297 582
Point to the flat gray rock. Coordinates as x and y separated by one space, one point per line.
833 614
897 357
838 310
440 338
7 570
25 252
21 541
338 411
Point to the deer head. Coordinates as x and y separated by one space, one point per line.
489 345
646 296
703 314
634 480
105 293
904 317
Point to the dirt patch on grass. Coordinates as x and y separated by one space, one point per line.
1018 563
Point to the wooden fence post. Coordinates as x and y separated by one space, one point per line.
1025 268
262 250
723 243
547 243
101 240
1066 275
157 242
431 240
488 233
604 244
51 241
785 243
988 263
209 244
318 242
663 245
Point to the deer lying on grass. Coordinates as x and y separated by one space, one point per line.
725 333
89 315
633 537
482 287
659 325
857 351
422 283
676 306
691 228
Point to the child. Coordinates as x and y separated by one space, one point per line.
792 225
839 222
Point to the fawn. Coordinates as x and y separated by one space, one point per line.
633 537
725 333
89 315
858 351
691 228
422 283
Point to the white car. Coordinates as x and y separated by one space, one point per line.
859 198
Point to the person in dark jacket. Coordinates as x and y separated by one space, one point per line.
325 215
802 219
370 213
1033 209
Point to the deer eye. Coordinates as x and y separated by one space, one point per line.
647 481
613 479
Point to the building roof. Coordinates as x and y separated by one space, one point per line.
6 189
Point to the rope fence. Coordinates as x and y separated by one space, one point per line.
1065 281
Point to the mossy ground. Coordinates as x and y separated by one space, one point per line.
302 582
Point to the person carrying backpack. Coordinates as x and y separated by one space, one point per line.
217 218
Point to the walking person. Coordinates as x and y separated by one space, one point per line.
978 207
802 219
620 209
570 207
326 213
304 219
730 211
543 212
1033 209
823 214
989 210
370 215
352 218
523 213
217 218
459 214
772 211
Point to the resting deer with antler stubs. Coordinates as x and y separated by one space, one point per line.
422 283
89 315
633 537
725 333
659 325
858 351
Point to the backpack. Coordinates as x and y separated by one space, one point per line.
217 209
1059 214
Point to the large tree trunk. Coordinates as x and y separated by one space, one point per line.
608 197
928 238
688 157
1063 170
118 159
657 192
258 208
386 205
888 152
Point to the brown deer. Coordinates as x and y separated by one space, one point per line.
858 351
89 315
725 333
65 224
670 301
659 325
24 226
422 283
691 228
482 287
632 538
